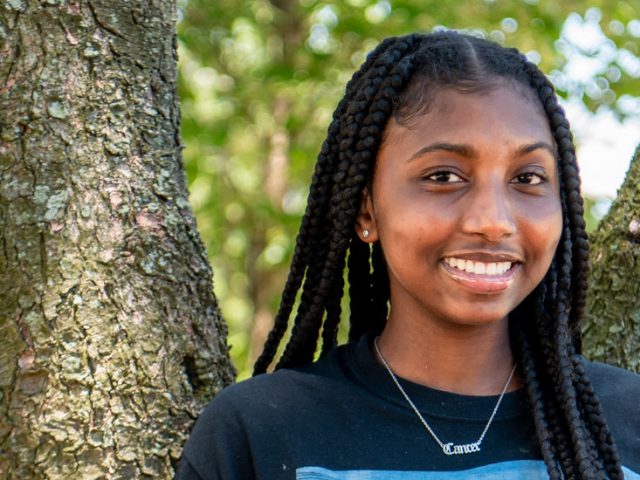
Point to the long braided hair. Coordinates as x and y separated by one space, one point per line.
396 80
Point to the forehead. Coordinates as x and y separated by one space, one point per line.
506 109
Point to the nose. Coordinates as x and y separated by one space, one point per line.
489 212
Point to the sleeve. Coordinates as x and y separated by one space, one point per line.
218 448
186 471
619 391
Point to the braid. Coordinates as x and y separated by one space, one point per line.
368 300
594 452
549 367
595 418
355 160
547 440
397 80
302 251
360 279
379 290
570 190
536 352
567 393
334 309
340 174
311 220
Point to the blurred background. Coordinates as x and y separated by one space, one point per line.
259 80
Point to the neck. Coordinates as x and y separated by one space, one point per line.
469 360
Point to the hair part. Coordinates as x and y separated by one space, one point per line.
400 80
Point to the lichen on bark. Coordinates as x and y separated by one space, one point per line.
110 336
612 326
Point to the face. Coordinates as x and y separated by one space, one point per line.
465 203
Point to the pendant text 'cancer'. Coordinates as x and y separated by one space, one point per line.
451 449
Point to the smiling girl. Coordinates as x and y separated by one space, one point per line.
448 184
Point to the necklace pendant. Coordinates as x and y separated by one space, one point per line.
447 448
451 449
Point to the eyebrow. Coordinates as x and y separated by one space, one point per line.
459 148
468 151
523 150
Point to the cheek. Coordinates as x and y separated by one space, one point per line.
417 225
554 225
543 230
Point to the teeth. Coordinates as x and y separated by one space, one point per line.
479 268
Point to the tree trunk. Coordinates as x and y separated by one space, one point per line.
612 329
110 337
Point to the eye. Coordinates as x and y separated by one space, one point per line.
444 176
530 178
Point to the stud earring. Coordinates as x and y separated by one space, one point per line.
365 233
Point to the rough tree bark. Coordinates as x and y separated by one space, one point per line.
612 329
110 337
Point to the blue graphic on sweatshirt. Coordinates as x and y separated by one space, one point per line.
514 470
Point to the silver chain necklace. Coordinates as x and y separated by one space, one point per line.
447 448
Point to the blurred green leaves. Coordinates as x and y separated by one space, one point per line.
258 83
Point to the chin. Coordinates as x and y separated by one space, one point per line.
480 316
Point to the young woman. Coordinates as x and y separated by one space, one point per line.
448 184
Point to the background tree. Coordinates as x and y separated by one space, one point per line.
259 81
110 338
613 328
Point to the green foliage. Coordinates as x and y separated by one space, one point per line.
259 80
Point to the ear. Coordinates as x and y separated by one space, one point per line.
366 220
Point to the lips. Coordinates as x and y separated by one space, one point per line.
481 276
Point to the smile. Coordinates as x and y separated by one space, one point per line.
481 277
479 268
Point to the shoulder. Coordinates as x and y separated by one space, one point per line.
243 418
257 403
619 393
614 383
272 392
